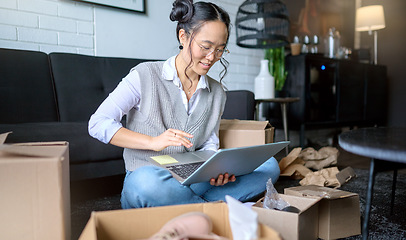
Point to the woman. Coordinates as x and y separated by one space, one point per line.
173 107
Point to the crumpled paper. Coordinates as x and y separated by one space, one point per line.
325 178
3 137
317 160
292 166
298 162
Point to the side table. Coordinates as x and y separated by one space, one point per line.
284 102
387 149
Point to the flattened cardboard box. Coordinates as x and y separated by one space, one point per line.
292 226
35 194
241 133
339 212
141 223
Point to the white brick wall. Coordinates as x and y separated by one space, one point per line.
47 25
69 26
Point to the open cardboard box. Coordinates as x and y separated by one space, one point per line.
241 133
141 223
35 194
292 226
339 211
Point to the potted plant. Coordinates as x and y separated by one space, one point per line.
276 57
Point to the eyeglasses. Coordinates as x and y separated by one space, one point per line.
206 51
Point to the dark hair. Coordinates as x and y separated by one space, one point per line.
191 17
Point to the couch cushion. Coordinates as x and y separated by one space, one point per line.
83 82
240 104
82 147
26 87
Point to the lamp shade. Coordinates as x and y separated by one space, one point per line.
262 24
369 18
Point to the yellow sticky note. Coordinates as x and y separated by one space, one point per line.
164 159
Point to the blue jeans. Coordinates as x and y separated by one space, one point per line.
152 186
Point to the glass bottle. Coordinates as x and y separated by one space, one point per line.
332 43
315 42
306 44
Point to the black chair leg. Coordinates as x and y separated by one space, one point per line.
369 197
392 202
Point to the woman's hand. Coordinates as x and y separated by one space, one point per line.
171 137
222 179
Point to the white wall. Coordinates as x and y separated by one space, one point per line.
78 27
47 25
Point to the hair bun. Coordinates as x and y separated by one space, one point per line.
182 11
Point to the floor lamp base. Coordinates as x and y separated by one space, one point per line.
375 47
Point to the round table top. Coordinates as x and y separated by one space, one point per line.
383 143
280 100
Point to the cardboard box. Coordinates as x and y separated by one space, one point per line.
141 223
242 133
339 212
35 193
292 226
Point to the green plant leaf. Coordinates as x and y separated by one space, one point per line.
276 58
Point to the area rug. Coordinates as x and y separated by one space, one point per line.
382 225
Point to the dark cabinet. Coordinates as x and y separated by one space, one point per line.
334 93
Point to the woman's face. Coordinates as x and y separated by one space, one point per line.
206 47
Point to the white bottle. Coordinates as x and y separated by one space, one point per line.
330 43
264 82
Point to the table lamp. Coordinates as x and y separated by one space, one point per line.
370 18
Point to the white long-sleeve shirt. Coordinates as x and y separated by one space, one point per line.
105 122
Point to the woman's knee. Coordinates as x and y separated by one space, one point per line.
144 182
271 169
274 165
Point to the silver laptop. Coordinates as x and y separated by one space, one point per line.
201 166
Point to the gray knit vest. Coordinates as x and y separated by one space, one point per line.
161 108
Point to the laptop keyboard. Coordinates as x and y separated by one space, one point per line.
185 170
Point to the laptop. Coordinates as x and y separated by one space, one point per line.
201 166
